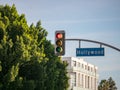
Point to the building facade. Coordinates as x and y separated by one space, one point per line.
83 75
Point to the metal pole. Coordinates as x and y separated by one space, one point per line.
79 43
101 43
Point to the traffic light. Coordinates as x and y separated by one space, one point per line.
60 43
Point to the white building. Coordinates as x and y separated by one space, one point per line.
83 75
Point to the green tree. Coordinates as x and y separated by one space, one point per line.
112 84
104 85
107 84
27 59
19 44
56 69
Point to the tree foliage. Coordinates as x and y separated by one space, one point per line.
56 70
107 84
27 59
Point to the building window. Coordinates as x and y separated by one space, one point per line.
95 70
88 82
91 83
88 68
95 83
79 79
91 69
85 67
73 79
78 64
82 65
85 81
82 81
74 63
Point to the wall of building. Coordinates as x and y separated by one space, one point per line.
83 75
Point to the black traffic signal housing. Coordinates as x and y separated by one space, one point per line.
60 43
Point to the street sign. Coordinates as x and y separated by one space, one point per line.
89 51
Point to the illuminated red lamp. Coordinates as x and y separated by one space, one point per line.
59 35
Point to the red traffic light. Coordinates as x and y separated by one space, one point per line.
60 43
59 35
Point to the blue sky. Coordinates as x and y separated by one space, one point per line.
88 19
